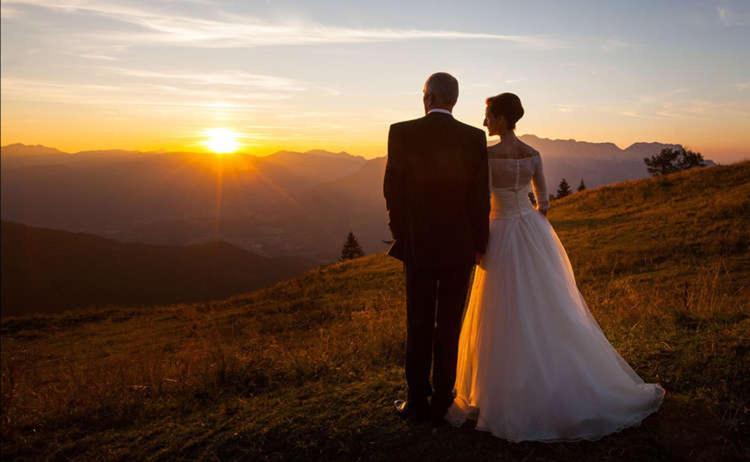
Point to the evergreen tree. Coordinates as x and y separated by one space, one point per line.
689 159
582 186
564 189
351 248
671 160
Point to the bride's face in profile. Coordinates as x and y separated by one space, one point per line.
494 125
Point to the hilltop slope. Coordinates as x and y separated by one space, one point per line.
46 270
307 369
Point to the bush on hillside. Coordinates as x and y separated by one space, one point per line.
672 160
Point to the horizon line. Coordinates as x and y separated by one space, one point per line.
321 149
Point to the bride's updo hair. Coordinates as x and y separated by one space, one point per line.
507 105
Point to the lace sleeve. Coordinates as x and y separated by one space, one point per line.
539 184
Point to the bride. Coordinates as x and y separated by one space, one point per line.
533 363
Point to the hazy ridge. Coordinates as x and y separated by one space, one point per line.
284 204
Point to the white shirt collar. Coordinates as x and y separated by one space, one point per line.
444 111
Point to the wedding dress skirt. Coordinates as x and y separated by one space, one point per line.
533 362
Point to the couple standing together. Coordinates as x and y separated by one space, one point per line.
527 360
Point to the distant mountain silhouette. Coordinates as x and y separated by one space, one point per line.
285 204
595 163
20 149
181 198
19 155
46 270
355 202
647 149
317 164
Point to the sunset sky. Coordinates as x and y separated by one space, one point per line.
153 75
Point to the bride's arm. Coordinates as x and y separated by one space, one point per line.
539 184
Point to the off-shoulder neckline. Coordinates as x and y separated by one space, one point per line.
534 152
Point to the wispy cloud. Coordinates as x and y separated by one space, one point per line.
134 94
485 84
679 104
612 45
56 92
98 57
7 11
567 107
696 109
224 78
703 109
657 98
733 16
228 30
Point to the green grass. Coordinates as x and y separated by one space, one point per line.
308 368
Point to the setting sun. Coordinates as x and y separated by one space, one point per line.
221 140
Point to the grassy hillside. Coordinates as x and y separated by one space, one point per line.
307 369
48 270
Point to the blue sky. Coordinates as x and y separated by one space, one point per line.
323 74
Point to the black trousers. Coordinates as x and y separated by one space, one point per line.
434 309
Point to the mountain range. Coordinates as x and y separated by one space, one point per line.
284 204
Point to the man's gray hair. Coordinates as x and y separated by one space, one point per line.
443 87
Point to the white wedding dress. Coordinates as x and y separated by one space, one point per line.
533 363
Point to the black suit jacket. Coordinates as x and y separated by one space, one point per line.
436 189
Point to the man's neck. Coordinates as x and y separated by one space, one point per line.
441 110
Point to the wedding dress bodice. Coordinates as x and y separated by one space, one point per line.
511 180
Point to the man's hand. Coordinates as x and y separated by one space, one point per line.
477 258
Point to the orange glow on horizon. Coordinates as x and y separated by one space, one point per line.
149 133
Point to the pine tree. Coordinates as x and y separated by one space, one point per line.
689 159
671 160
582 186
564 189
351 248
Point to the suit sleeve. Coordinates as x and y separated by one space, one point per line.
393 183
480 198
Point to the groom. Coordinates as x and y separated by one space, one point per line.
437 194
